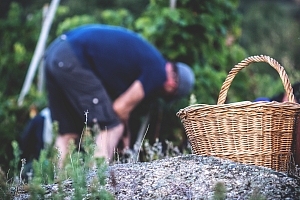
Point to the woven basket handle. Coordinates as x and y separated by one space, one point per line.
285 80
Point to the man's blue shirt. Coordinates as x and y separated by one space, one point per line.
118 57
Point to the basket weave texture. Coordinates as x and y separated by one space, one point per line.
258 133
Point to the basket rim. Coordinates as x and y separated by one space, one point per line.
291 106
286 104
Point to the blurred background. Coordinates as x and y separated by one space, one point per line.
210 35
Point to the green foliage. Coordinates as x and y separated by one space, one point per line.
74 167
14 164
73 22
198 33
13 119
44 168
195 33
118 17
271 28
208 80
18 37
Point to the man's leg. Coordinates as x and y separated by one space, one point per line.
107 141
62 143
126 137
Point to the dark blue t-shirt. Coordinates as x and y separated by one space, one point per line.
118 57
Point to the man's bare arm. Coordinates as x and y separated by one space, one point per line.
125 103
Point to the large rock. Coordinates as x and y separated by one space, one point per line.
189 177
194 177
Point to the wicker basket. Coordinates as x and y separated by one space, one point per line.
259 133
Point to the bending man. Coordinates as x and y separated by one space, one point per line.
107 71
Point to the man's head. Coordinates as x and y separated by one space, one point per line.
180 80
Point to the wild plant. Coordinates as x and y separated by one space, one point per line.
45 171
78 167
256 195
219 191
15 163
171 149
152 152
4 186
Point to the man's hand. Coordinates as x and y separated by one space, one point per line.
127 101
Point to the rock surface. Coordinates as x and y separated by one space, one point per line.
192 177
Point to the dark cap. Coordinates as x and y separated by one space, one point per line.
186 80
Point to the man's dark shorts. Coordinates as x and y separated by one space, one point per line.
74 91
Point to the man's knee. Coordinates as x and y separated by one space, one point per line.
118 128
66 138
